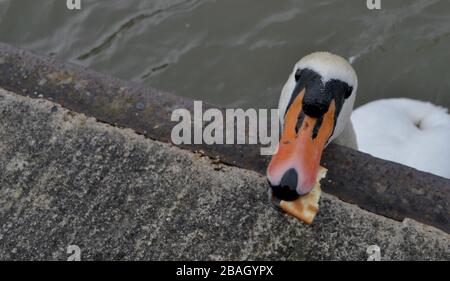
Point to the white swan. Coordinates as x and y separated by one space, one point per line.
316 107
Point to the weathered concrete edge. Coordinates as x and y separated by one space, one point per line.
376 185
68 179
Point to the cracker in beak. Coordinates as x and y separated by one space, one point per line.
306 207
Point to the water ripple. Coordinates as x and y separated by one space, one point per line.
127 26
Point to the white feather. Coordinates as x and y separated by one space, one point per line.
410 132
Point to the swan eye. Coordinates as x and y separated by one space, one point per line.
348 92
297 75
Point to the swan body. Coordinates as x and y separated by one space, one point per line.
410 132
316 107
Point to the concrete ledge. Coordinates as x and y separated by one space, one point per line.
382 187
68 179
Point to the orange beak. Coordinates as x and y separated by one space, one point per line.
293 169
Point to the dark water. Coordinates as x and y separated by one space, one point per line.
239 52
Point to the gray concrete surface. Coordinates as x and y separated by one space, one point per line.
67 179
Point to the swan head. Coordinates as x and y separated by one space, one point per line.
315 107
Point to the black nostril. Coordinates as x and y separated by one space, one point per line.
287 190
289 179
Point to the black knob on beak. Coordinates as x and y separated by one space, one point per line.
287 190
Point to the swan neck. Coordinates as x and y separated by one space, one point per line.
348 137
